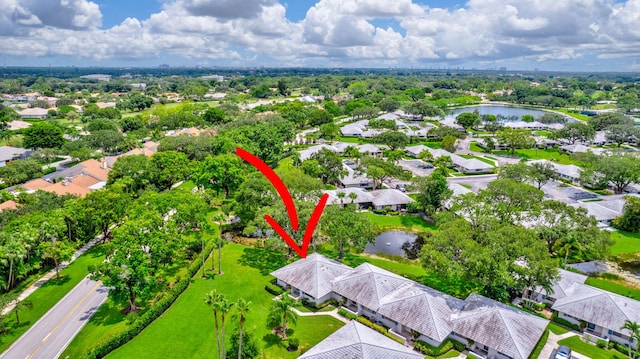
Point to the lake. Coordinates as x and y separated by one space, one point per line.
390 243
504 111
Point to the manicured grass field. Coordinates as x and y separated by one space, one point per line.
556 329
45 297
541 154
186 330
406 221
614 287
577 345
625 242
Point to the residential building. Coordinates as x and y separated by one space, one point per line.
602 314
409 309
9 153
34 113
355 341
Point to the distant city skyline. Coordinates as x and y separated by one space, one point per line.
561 35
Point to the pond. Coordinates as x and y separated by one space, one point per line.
390 243
504 111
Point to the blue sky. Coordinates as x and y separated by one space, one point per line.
568 35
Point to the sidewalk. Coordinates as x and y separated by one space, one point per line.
48 276
333 313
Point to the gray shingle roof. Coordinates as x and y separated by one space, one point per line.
7 153
367 284
355 341
389 197
503 328
566 280
422 309
312 275
597 306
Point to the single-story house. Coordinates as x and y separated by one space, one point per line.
416 167
601 313
485 326
307 153
568 172
356 341
310 277
392 198
577 148
482 142
451 122
369 149
471 165
458 190
353 179
534 125
9 153
388 116
415 151
362 197
497 330
559 289
601 214
8 205
371 133
415 307
35 112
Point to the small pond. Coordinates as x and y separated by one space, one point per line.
390 243
502 110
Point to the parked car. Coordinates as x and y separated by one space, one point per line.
563 353
401 187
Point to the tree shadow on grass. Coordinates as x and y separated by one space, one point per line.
263 260
271 340
108 314
53 282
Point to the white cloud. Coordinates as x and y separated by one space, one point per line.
332 32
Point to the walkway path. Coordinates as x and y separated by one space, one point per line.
333 313
48 276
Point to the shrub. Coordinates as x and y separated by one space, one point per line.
601 343
564 323
46 171
294 343
346 314
273 289
430 350
379 328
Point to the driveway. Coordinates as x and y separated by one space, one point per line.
476 182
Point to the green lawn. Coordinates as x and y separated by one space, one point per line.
625 242
540 154
349 139
485 160
407 221
556 329
574 115
614 287
189 322
475 148
577 345
48 295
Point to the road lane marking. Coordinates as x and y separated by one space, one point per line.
64 320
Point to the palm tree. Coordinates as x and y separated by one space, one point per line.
567 244
243 307
224 307
341 195
634 329
212 299
15 251
353 196
283 308
219 217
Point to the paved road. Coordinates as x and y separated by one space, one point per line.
476 182
50 335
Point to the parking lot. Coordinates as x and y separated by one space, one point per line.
565 193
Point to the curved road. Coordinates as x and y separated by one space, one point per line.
50 335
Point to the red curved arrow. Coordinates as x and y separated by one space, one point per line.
290 206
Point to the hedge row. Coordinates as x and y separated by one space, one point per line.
117 340
445 347
379 328
564 322
273 289
346 314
